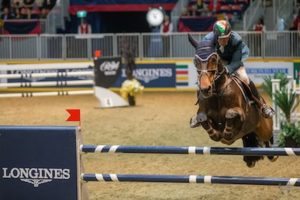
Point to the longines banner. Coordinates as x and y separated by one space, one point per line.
34 162
109 72
152 75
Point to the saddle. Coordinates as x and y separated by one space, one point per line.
247 92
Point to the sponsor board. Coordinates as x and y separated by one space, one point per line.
186 75
257 71
38 163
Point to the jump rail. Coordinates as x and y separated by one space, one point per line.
47 83
239 180
48 74
39 94
248 151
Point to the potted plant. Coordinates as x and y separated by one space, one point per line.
287 101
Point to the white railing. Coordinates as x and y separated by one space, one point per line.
146 45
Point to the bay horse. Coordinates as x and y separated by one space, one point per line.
226 110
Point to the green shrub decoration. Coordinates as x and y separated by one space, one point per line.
287 101
289 135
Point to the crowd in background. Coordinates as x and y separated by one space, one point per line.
201 9
26 9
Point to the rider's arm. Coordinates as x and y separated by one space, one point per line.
236 60
209 36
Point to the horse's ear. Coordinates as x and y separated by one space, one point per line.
192 41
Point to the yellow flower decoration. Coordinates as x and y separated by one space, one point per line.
131 87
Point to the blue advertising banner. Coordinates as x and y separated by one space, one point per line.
152 75
38 163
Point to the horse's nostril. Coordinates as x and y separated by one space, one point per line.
206 89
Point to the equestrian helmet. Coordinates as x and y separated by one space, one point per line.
222 29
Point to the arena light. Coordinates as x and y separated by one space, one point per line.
81 14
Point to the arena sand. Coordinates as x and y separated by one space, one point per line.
158 119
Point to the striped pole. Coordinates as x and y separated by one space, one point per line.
59 83
38 94
48 74
247 151
240 180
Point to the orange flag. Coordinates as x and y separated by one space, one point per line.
74 115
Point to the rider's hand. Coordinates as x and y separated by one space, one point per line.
226 70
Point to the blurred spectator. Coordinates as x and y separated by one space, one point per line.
296 23
29 4
84 27
165 28
48 4
24 13
214 6
45 6
44 13
280 24
260 26
201 8
17 4
6 14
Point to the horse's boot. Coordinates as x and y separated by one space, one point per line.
266 110
194 121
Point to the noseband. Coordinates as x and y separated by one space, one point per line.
201 66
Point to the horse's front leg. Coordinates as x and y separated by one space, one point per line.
206 124
234 119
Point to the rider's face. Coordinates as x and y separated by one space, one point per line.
223 41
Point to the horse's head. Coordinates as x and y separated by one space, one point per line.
208 65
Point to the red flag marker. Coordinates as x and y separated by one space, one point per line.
74 115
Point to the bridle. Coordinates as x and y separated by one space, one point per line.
201 66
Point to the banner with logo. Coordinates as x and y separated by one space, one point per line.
258 70
152 75
38 163
107 71
297 71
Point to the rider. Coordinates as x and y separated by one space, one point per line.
233 51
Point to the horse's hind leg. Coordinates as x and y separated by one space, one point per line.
269 144
234 119
250 140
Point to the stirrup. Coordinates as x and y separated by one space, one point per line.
194 122
267 111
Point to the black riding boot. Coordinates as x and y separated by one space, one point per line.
266 110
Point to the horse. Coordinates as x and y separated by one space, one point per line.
226 110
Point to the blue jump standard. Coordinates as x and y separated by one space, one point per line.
247 151
240 180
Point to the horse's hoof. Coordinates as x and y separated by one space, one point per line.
228 135
215 137
250 164
273 158
194 122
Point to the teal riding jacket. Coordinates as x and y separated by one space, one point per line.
234 53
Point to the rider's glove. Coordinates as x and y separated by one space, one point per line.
226 70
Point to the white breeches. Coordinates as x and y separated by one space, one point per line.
243 75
